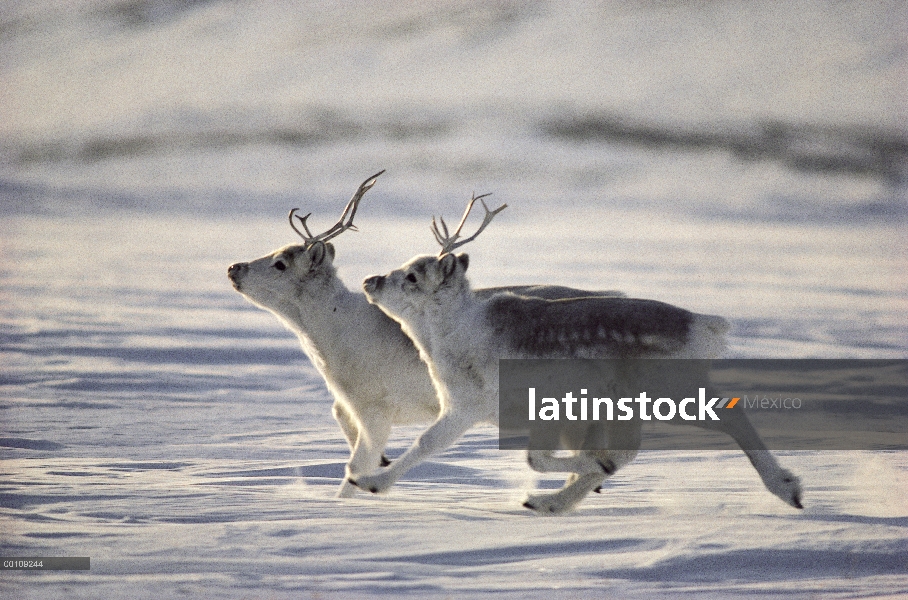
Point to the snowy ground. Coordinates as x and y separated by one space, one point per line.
158 423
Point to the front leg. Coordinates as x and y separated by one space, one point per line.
438 437
346 422
373 434
351 433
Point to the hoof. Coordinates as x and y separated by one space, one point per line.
608 467
351 481
598 489
384 461
528 505
797 502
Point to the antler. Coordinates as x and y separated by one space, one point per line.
449 242
341 226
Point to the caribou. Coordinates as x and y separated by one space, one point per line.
461 335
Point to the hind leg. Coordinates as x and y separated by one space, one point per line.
579 485
781 482
545 461
567 497
613 446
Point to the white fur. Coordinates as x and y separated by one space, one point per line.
458 336
371 368
368 364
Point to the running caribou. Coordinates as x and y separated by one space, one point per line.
461 334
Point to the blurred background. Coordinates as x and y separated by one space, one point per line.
769 110
743 158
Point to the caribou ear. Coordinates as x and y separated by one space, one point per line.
464 261
448 264
330 248
316 253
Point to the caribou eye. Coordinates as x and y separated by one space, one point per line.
279 265
411 278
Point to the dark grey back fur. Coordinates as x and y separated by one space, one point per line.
548 292
606 326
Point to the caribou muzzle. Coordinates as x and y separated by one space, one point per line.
373 284
235 273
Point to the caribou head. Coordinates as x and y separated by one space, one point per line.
283 275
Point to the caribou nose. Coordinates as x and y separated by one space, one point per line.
373 284
235 271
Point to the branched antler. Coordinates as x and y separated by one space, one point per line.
343 224
448 241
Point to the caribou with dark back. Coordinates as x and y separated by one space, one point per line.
461 334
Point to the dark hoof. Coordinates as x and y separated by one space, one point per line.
797 502
608 467
598 490
350 480
528 505
374 490
384 461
